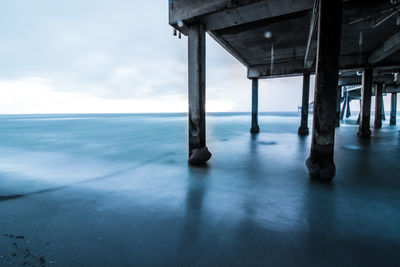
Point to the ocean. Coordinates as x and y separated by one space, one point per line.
116 190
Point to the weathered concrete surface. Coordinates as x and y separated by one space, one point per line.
366 92
339 95
200 156
378 106
254 106
320 163
303 129
197 92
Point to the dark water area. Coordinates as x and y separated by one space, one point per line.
116 190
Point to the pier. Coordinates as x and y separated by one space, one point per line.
344 43
198 188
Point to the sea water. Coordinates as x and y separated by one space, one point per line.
116 189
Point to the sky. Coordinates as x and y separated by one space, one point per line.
119 56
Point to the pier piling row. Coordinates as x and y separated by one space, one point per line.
344 43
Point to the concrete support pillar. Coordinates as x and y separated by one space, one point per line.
339 95
378 106
346 95
366 92
383 111
198 152
303 129
254 106
348 111
393 109
320 162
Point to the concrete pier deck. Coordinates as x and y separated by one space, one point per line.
370 35
106 190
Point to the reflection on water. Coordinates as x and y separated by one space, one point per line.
193 218
125 178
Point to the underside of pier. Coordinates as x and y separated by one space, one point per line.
370 34
341 42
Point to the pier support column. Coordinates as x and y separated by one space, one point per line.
393 109
320 162
366 92
359 114
378 106
198 152
254 106
348 111
383 111
339 95
346 95
303 129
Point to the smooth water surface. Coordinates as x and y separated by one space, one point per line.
116 190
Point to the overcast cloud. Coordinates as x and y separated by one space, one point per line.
114 56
